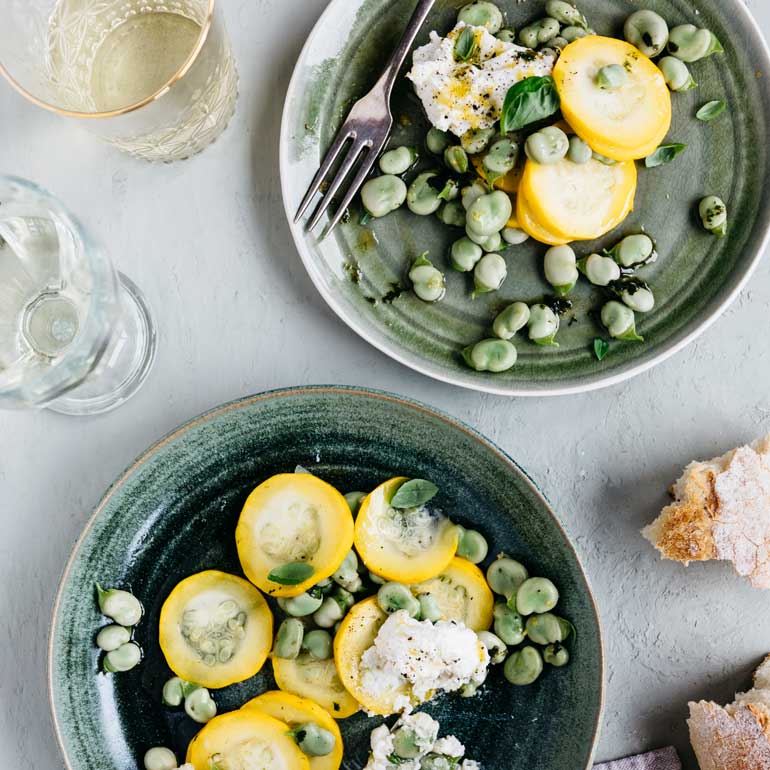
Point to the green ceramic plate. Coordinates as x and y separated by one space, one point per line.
360 269
173 513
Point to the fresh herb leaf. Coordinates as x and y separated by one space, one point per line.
529 101
711 110
601 348
664 154
292 574
465 45
365 218
414 493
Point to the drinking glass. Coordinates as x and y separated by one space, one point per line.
155 78
75 335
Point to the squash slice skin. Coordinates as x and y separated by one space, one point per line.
327 527
533 227
226 732
477 608
250 652
555 193
626 124
294 710
383 559
324 688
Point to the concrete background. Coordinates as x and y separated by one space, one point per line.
207 242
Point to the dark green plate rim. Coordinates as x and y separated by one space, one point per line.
148 455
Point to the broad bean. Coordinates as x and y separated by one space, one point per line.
471 193
690 44
514 236
123 607
541 31
634 251
579 152
347 575
600 270
677 74
428 281
620 322
477 140
354 500
393 597
160 758
456 158
124 658
648 31
288 640
472 546
491 356
505 576
490 213
509 625
565 13
489 274
452 213
200 706
110 638
500 159
398 161
302 605
422 198
556 655
513 319
437 141
573 33
547 146
543 325
481 13
318 643
536 595
507 35
464 255
561 271
383 194
713 214
429 609
611 77
494 645
314 740
636 294
524 666
547 628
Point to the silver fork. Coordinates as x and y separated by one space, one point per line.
368 127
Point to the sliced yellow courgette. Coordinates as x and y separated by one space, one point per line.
530 225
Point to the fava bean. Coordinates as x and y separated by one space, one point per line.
160 758
600 270
494 645
398 161
505 576
174 692
376 579
500 159
556 655
124 658
565 13
334 608
314 740
288 640
469 689
452 213
493 243
346 575
524 666
200 706
428 281
318 643
514 318
514 236
472 546
429 609
561 269
543 326
490 213
456 158
477 140
393 597
690 44
573 33
634 251
302 605
421 197
354 500
620 322
409 743
579 152
559 43
676 73
482 14
648 31
536 595
541 31
547 628
636 294
471 193
713 214
509 625
489 274
507 35
123 607
464 255
383 194
612 77
110 638
491 356
547 146
437 141
437 762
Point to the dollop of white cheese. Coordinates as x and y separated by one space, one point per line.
459 96
422 658
425 730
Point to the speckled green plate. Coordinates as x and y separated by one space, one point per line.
695 280
173 513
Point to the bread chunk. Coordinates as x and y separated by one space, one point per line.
721 511
736 737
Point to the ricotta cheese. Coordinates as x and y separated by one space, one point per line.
422 658
459 96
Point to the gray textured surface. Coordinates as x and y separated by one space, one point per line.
207 241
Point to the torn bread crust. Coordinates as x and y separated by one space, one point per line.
721 511
736 737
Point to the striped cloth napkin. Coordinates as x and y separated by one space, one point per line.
663 759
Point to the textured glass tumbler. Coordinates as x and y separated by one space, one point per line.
75 335
155 78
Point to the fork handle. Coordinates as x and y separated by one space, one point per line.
388 77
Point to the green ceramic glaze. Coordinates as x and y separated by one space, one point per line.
359 269
173 513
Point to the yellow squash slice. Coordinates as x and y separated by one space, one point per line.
579 202
294 711
405 546
316 680
532 227
244 740
356 635
462 593
215 629
508 183
293 517
626 123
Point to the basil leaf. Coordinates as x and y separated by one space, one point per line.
465 45
664 154
529 101
711 110
414 493
601 348
291 574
